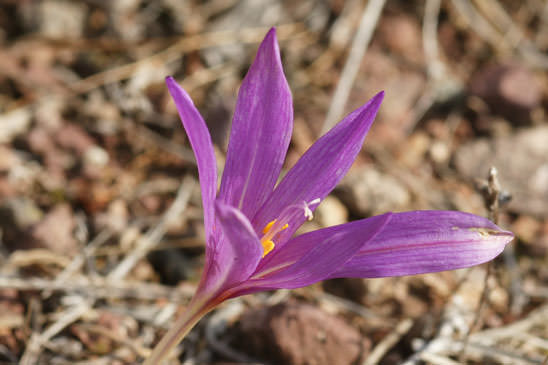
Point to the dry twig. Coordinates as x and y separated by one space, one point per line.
154 235
100 288
388 342
367 25
36 341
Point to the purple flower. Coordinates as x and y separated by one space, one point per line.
250 223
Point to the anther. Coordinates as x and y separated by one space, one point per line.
268 226
266 240
268 246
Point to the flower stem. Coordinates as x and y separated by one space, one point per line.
180 329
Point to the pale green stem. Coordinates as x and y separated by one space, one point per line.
178 331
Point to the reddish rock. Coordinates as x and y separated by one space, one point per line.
74 137
510 90
25 227
527 229
54 232
300 334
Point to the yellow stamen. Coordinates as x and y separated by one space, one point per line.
266 241
268 226
268 246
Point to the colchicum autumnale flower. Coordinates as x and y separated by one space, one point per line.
250 223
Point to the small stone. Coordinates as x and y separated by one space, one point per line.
499 298
8 158
96 156
19 213
414 307
115 218
412 150
49 113
526 228
331 212
367 191
14 123
62 19
7 190
40 141
439 152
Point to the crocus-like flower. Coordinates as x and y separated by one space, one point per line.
250 223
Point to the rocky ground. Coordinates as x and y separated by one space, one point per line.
100 218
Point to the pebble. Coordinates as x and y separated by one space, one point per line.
510 90
522 163
367 191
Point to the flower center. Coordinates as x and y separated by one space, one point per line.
277 225
269 231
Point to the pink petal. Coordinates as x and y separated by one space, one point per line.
261 131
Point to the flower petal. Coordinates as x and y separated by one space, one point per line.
200 140
241 249
427 241
313 256
261 131
321 167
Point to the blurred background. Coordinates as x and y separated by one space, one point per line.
100 217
